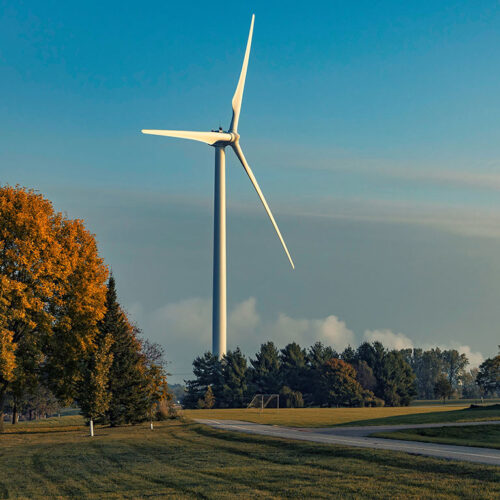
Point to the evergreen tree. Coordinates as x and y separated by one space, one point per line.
127 377
208 401
396 382
234 379
395 378
264 374
94 395
293 367
207 370
348 355
318 354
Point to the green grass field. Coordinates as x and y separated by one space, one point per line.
180 459
325 417
486 436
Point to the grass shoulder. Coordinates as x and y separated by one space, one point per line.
484 436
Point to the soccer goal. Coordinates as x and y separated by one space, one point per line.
262 401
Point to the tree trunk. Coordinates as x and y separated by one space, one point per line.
14 414
3 392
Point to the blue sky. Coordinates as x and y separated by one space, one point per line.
372 127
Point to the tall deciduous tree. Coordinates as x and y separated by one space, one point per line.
365 376
156 377
488 377
443 388
51 293
339 384
454 366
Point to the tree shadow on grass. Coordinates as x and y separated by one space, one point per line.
404 461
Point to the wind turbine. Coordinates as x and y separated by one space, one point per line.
220 140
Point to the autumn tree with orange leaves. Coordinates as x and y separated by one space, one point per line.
52 294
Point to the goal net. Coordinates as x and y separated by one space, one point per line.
263 401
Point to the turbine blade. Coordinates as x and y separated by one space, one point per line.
206 137
246 166
238 95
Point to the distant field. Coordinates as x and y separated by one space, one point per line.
491 412
316 417
53 424
486 436
454 402
185 460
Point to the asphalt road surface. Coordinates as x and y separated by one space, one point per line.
360 436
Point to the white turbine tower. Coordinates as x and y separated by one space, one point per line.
219 140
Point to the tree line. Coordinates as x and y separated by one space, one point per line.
63 333
370 375
64 338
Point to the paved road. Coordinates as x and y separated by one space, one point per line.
360 436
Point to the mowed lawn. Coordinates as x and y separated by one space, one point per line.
325 417
181 459
486 436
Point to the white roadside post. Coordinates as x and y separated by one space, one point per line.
91 428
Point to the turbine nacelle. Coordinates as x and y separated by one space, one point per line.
235 137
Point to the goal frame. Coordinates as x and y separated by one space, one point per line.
263 401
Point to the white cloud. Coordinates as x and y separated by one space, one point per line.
389 339
187 319
330 330
189 323
244 317
475 358
398 341
334 332
185 327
